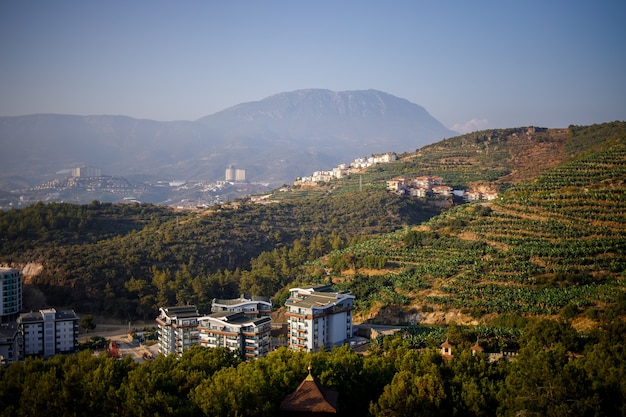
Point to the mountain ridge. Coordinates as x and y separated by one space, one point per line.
274 146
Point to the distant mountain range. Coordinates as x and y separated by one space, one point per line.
275 139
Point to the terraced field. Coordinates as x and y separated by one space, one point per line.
556 241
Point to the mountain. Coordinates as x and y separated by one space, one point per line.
358 121
275 139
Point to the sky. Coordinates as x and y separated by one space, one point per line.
471 64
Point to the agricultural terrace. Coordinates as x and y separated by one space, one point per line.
557 241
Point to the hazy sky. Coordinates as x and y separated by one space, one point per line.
471 64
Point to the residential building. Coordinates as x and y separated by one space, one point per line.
418 192
472 195
47 332
240 175
436 180
490 195
10 294
443 190
237 331
397 184
251 306
234 174
229 174
9 346
86 171
241 324
422 182
318 317
178 329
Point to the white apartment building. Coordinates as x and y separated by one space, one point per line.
251 306
318 317
241 324
234 174
47 332
10 293
238 332
178 329
86 171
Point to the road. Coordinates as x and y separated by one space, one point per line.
126 346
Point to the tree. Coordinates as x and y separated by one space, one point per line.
544 382
87 323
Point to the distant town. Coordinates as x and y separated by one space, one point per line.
86 184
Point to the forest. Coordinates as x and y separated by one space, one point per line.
557 372
126 261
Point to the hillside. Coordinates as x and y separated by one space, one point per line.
550 245
553 245
127 260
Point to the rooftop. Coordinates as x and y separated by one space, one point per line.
310 397
181 311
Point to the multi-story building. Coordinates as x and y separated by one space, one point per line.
241 324
178 329
240 175
238 332
229 174
47 332
10 294
251 306
234 174
318 317
9 347
86 171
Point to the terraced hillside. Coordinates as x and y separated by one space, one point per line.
495 159
552 245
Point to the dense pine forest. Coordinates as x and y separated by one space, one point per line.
540 270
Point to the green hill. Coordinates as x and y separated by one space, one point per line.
555 244
552 244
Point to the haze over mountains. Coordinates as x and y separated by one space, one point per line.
275 139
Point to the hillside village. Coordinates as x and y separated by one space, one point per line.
342 170
421 186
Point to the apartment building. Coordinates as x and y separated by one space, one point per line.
86 171
251 306
318 317
177 329
47 332
10 294
9 346
237 331
241 324
234 174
